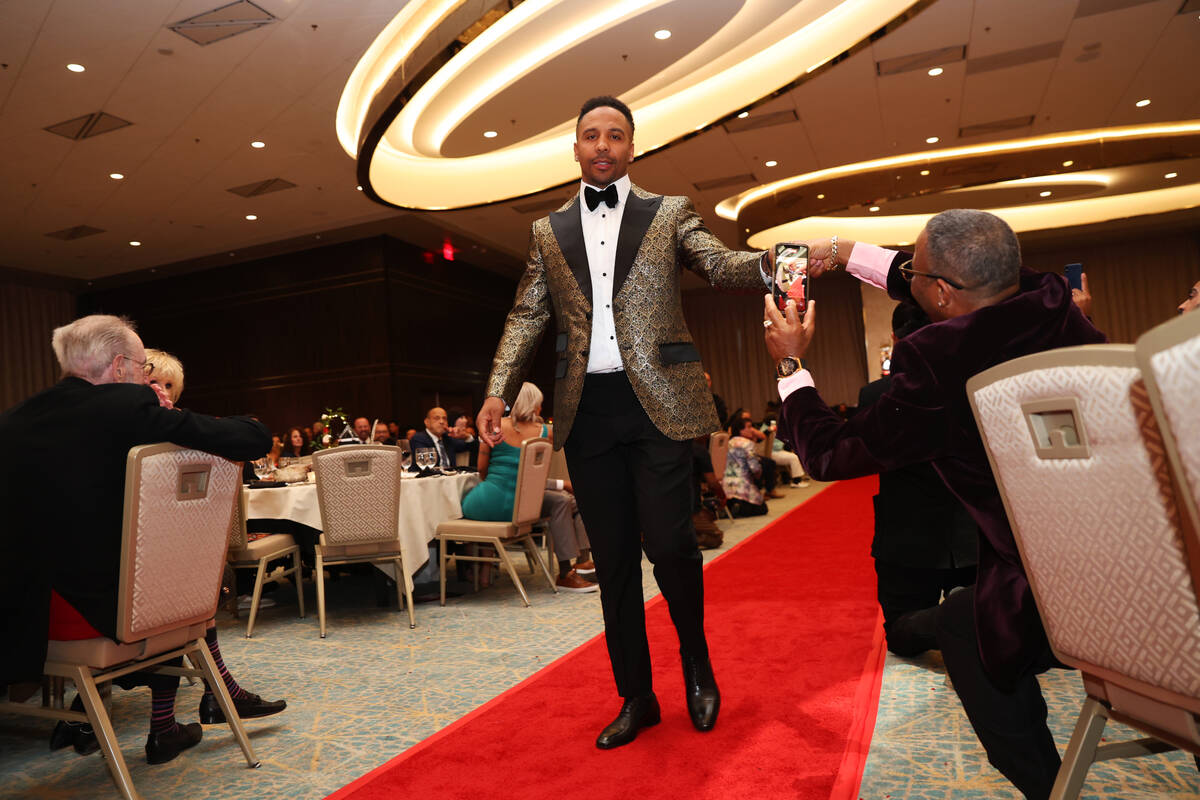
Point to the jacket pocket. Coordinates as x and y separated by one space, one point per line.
560 369
678 352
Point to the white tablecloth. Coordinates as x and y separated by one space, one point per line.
424 502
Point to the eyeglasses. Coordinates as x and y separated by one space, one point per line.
147 366
908 273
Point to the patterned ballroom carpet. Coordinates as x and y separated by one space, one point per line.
374 688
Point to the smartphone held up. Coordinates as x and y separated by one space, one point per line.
791 275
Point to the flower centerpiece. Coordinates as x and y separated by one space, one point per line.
332 419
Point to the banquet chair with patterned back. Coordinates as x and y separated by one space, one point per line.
1080 469
178 504
358 491
248 553
532 471
718 451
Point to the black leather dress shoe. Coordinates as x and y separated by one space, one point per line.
636 713
700 688
163 747
79 734
247 707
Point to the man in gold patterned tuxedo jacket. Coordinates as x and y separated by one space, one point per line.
629 395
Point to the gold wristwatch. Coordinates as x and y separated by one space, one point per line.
787 366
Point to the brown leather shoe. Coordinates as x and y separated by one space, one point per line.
585 567
571 582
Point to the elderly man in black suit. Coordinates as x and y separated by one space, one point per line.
64 504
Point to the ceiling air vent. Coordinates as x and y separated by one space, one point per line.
971 168
728 180
997 126
223 22
930 58
1014 58
546 204
262 187
78 232
760 121
87 126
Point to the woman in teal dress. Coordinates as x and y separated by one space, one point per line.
492 500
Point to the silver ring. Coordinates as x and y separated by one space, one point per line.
768 323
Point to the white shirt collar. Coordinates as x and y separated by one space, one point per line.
433 435
623 185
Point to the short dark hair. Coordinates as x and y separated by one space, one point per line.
605 101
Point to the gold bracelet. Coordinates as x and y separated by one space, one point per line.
833 247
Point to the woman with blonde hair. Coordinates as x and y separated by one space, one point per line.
164 370
493 499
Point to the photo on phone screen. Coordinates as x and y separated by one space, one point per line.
791 275
1074 273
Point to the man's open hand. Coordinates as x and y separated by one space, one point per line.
787 335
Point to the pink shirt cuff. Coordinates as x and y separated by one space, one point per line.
791 383
870 264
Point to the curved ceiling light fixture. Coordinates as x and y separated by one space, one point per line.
437 67
790 208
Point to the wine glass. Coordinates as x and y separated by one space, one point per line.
425 457
263 467
405 453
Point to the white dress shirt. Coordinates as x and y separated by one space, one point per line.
600 230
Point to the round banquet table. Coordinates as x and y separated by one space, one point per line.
424 502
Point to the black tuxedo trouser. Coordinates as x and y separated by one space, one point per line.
634 490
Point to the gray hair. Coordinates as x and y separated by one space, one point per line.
85 348
524 408
975 248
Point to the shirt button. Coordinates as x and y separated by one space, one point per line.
610 337
601 241
603 274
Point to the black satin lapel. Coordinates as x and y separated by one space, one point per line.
639 213
568 229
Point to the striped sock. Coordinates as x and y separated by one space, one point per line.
162 710
235 691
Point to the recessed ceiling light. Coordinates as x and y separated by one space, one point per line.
258 145
116 176
1046 193
490 134
1142 103
1170 175
924 172
252 217
358 187
135 244
662 34
770 163
932 140
743 115
820 197
933 73
76 67
873 208
1068 163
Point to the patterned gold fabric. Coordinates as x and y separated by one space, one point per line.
646 310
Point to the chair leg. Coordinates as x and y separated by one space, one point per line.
1081 750
403 592
442 568
320 567
298 577
258 584
105 735
201 657
536 556
512 570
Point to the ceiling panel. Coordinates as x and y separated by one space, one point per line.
1168 76
915 105
947 22
847 94
989 96
1002 25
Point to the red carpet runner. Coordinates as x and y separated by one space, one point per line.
797 648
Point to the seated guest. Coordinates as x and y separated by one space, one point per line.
394 431
493 499
1192 301
382 434
165 370
409 434
66 580
362 431
319 433
296 445
743 470
704 518
924 542
767 466
434 437
966 275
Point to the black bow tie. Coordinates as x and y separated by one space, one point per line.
593 196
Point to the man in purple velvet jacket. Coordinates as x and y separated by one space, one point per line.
966 274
